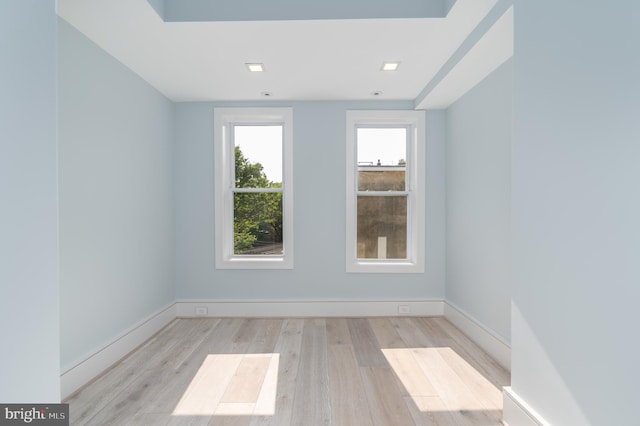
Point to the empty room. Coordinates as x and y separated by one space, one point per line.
305 213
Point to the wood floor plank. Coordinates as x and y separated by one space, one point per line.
195 336
224 336
219 420
365 344
245 336
144 419
209 385
429 411
230 421
349 405
411 333
267 336
386 402
288 348
311 403
471 352
406 368
488 394
389 338
266 402
246 383
338 332
235 408
183 420
485 367
386 333
460 401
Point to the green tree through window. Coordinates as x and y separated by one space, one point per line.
257 215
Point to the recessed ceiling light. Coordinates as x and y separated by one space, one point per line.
255 67
266 94
390 66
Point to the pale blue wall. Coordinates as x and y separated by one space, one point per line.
116 197
435 242
276 10
576 210
319 205
478 163
29 307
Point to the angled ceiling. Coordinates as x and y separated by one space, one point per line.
443 53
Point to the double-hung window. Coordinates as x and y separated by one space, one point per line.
385 191
254 188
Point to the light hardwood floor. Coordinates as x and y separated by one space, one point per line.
324 371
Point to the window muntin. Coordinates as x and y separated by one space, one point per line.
254 207
385 185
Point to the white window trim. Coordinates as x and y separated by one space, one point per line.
415 262
224 164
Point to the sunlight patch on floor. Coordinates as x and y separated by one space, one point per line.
232 384
433 377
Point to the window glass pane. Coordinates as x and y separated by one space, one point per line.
257 223
381 154
382 227
381 178
258 156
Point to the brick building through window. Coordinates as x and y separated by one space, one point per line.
382 220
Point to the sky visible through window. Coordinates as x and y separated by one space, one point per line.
388 145
263 144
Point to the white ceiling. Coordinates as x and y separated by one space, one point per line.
304 60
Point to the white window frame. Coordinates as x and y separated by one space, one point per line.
224 119
415 180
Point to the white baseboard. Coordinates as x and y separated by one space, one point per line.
230 308
516 412
488 340
101 359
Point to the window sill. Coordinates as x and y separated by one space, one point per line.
255 262
385 266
